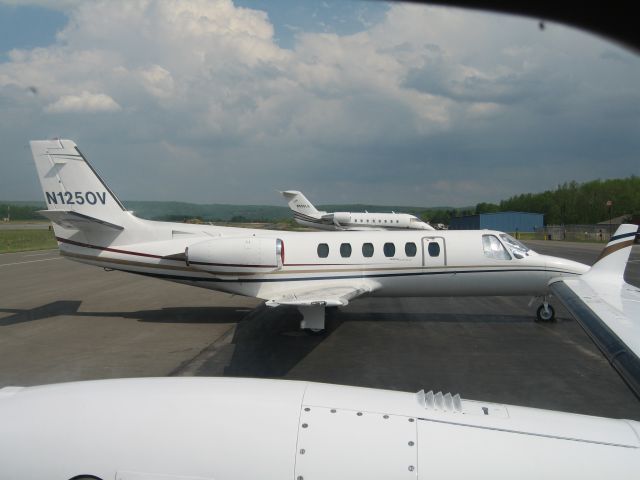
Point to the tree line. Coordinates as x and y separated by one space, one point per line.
20 211
570 203
575 203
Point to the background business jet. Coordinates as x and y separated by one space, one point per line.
306 214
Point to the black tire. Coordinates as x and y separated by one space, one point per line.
314 332
546 316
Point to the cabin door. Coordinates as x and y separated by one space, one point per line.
434 252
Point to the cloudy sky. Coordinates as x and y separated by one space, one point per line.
227 102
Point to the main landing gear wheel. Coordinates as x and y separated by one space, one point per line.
546 313
314 332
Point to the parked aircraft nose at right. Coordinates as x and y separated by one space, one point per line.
563 265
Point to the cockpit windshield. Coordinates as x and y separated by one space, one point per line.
518 249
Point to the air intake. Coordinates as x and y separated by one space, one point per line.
439 401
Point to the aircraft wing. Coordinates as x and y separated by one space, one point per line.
336 296
608 308
611 317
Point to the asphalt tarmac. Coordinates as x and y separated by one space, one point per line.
64 321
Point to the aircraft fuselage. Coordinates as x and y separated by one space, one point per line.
395 263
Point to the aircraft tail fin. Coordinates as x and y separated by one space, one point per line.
613 258
73 190
300 204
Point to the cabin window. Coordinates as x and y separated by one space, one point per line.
323 250
389 249
345 250
493 248
410 249
385 221
434 249
367 249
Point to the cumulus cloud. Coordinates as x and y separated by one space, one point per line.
84 103
420 96
51 4
157 81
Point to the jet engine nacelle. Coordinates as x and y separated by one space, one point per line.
236 254
342 217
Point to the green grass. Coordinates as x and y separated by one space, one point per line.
18 223
526 235
24 240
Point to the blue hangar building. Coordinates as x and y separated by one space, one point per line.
503 221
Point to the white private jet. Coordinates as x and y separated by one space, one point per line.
306 214
195 428
315 270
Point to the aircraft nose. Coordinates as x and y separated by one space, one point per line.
564 265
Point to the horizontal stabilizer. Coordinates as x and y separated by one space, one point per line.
75 220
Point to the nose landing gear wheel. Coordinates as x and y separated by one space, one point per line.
547 314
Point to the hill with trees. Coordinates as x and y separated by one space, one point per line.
181 211
569 203
575 203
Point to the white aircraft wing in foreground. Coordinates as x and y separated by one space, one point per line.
238 428
607 307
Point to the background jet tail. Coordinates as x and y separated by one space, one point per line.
613 258
300 204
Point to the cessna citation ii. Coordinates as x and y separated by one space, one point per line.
315 270
306 214
308 270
